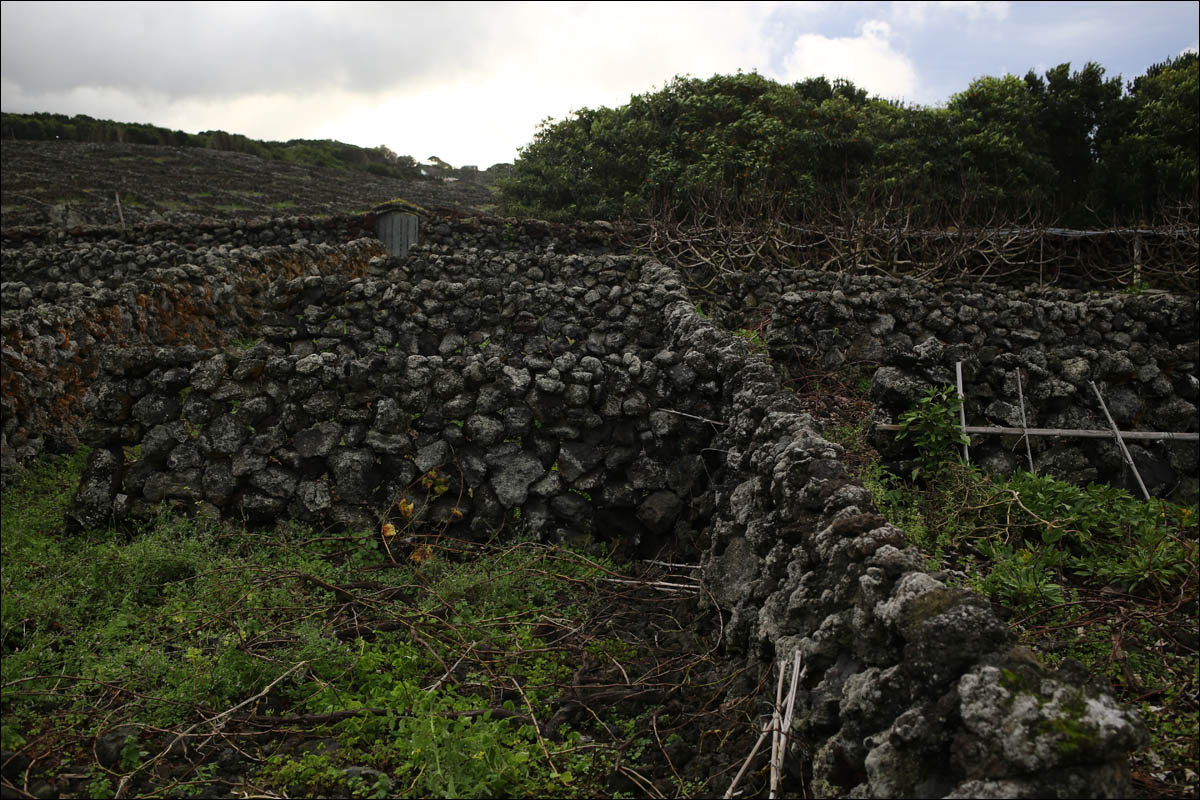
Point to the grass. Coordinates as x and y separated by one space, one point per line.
190 656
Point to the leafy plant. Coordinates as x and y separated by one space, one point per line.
1022 575
934 428
754 337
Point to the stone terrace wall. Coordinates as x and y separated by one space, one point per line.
62 300
1142 351
65 290
555 385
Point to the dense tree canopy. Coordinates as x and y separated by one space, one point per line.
1070 146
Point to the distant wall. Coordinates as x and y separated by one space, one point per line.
439 227
202 233
64 302
1142 350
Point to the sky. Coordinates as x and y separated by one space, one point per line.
471 82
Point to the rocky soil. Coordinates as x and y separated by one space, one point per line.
72 183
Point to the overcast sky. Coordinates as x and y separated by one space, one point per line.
470 82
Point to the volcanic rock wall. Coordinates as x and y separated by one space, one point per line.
201 233
440 226
911 688
1142 351
200 282
62 300
534 385
585 397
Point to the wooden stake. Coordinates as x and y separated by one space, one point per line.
797 675
737 778
120 213
1042 259
1070 433
776 721
1120 441
1024 426
1137 258
962 411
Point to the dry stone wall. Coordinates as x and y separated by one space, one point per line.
580 395
912 688
63 301
1142 351
202 233
201 282
535 383
439 226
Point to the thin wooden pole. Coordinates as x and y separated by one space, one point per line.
1042 259
120 213
1070 433
797 675
776 731
1120 441
962 411
1024 424
1137 258
753 751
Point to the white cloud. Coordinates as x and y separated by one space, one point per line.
869 59
467 81
570 57
921 13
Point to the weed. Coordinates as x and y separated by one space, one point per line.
758 342
934 428
245 343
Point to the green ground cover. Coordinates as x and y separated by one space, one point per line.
192 657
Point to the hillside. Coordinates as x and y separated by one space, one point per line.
72 183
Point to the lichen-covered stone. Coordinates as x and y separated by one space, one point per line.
1028 720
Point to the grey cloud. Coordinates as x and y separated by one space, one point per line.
217 51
